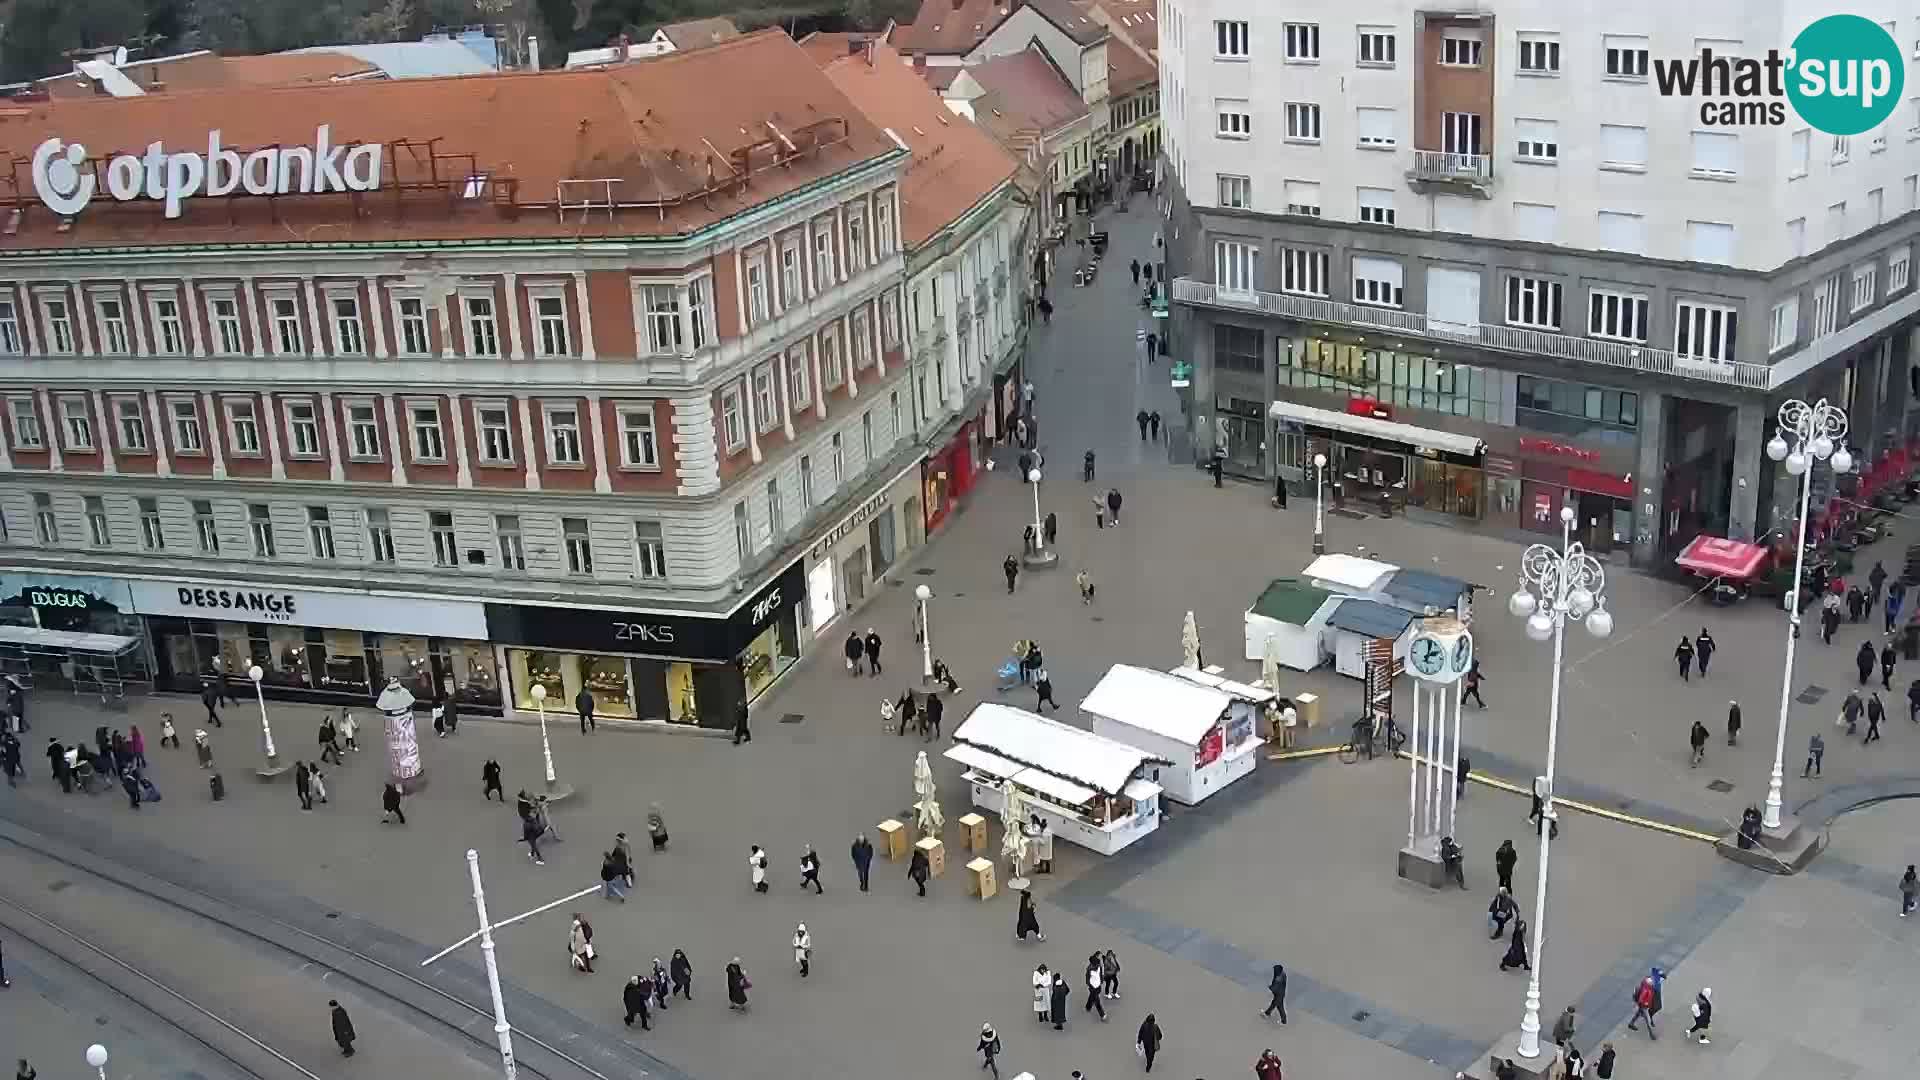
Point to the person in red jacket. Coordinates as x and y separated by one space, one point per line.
1268 1067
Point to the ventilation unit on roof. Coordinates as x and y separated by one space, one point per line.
13 222
476 186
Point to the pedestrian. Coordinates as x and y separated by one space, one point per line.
1268 1067
1110 975
210 697
329 740
350 731
1453 860
1084 582
583 704
1140 418
1042 990
1092 979
390 803
10 756
872 645
580 945
1135 267
1850 710
57 763
1086 464
1474 679
657 982
1702 1015
26 1071
810 871
1046 311
737 986
989 1047
1057 996
1896 598
202 749
1113 506
1011 568
168 736
636 996
490 781
854 649
1050 528
803 950
1603 1068
1153 424
314 776
1461 770
1500 911
1683 655
1876 580
1516 956
1697 738
1876 712
1277 993
1646 1003
1856 604
1863 662
741 732
1909 886
1733 723
1147 1042
757 868
1153 346
303 785
1913 701
343 1033
452 714
613 876
1703 647
1573 1065
1099 512
1887 659
531 830
1563 1028
934 711
1816 749
1043 684
1027 921
918 870
1829 619
137 746
1216 465
681 971
862 859
130 783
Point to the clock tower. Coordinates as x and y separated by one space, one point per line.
1439 657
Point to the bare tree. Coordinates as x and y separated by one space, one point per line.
389 21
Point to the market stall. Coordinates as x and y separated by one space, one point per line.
1194 727
1293 613
1088 788
1348 575
1248 701
1355 622
1429 594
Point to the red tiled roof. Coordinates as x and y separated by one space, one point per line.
956 26
1128 70
1137 20
207 71
954 164
1026 91
666 133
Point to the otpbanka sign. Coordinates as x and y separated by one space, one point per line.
66 188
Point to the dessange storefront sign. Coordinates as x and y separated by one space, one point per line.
66 186
291 607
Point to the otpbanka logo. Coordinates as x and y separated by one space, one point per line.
1843 76
66 187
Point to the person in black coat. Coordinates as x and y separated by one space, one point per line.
390 802
1863 662
872 646
1703 647
1010 567
854 650
1733 723
918 870
210 697
583 704
1876 712
1517 949
57 761
1148 1040
343 1033
935 710
1028 921
737 986
1683 655
1500 911
810 871
1113 505
1277 988
1057 1002
636 997
303 785
490 781
741 733
680 970
1887 659
130 782
862 858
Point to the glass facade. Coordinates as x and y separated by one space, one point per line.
311 663
1404 380
1590 412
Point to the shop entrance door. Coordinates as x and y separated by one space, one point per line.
1594 529
853 576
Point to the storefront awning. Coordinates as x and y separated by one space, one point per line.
1427 438
1719 557
67 640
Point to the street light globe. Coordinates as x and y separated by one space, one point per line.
1522 603
1566 514
539 692
1842 461
1796 463
1600 623
1580 601
96 1056
1540 626
1033 476
922 593
1822 447
255 673
1319 461
1777 448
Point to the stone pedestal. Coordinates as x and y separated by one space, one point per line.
272 769
1785 850
1043 559
559 791
1508 1049
1420 863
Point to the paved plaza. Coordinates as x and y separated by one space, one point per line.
1294 865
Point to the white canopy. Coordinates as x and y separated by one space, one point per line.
1050 746
1156 702
1257 695
72 641
1349 572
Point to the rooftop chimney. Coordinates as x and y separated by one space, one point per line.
958 4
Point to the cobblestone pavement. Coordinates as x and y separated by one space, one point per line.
1293 865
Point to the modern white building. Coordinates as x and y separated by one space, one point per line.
1493 219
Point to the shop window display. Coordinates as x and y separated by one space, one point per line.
342 660
1448 489
408 659
606 676
465 671
1399 379
530 667
564 674
681 705
769 654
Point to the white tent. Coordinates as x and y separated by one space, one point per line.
1178 720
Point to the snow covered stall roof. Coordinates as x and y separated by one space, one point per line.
1162 704
1348 572
1051 747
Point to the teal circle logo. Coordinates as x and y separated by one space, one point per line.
1845 75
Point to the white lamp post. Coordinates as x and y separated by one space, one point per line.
925 596
97 1059
273 767
1319 505
1039 537
1816 433
539 693
1555 585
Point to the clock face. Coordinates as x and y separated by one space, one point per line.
1428 655
1463 655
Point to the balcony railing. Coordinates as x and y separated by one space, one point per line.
1460 168
1499 338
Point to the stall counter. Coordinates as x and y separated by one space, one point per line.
1106 839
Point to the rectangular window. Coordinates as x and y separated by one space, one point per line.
429 442
639 442
1626 57
288 337
1303 121
225 312
1303 198
11 343
1230 38
363 431
483 332
806 481
153 535
1864 293
132 418
1837 221
732 424
579 545
1460 48
1826 307
513 547
742 534
379 535
168 327
662 306
1372 127
26 424
1376 46
1621 231
550 326
1539 55
1533 302
115 338
862 343
410 313
1617 316
1876 205
839 461
46 524
889 320
650 547
866 436
320 533
1233 265
1623 147
758 303
1376 205
1377 282
59 325
1842 149
793 285
1535 222
766 404
303 429
563 435
1800 154
446 545
1710 241
883 238
243 428
856 240
832 370
799 379
1784 329
700 310
1899 269
76 420
186 427
1303 272
1233 120
1303 42
1236 192
1797 236
1704 331
496 434
260 529
1716 154
1460 133
205 529
1539 140
348 338
825 273
97 531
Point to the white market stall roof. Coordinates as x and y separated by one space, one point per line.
1162 704
1051 747
1349 572
1258 695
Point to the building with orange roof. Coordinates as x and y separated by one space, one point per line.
1021 100
971 243
1133 79
588 380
